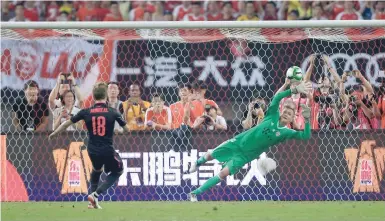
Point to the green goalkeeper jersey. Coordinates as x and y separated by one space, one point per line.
258 139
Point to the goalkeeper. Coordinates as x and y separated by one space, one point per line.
247 146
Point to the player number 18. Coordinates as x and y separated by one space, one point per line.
99 125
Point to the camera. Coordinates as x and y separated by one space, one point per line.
257 105
207 108
65 81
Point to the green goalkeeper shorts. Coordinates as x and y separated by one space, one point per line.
229 154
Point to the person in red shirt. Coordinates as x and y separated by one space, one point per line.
270 12
181 10
30 11
115 13
52 11
102 8
158 116
196 13
379 10
349 12
137 13
87 12
227 12
196 107
213 12
178 112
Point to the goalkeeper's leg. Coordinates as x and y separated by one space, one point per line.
209 184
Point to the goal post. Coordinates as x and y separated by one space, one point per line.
238 61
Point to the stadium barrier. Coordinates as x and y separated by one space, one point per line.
333 165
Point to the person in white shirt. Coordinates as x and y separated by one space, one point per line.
210 120
113 101
66 111
19 12
65 82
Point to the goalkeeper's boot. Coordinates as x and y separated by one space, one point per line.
193 167
192 197
93 199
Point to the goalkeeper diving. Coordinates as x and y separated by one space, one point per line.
249 145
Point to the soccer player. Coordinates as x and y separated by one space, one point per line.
249 145
100 121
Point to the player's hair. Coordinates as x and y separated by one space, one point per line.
100 91
64 94
113 82
30 83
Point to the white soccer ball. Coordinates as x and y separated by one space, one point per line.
294 73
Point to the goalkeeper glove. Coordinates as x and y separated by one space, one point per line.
305 111
303 88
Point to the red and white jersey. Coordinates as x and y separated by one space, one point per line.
180 12
378 16
216 17
191 17
349 16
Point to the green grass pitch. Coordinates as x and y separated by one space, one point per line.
175 211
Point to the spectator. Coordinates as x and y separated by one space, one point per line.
302 7
113 101
134 109
228 12
168 16
30 113
63 16
334 8
317 12
137 13
115 13
250 14
158 15
293 15
381 104
67 6
210 120
87 12
52 11
158 116
356 115
6 13
196 107
65 82
379 10
30 11
349 12
66 111
181 10
255 113
19 13
102 8
270 12
196 13
214 13
178 112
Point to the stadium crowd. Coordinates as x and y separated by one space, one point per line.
190 10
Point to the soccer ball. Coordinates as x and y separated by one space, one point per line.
294 73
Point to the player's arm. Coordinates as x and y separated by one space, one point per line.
121 122
79 116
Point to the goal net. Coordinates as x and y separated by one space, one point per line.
237 61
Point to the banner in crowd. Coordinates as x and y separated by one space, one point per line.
233 69
42 60
346 167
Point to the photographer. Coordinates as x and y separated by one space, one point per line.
210 120
254 114
327 105
356 114
158 116
381 104
66 111
65 82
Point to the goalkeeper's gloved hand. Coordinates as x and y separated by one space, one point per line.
305 111
303 88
